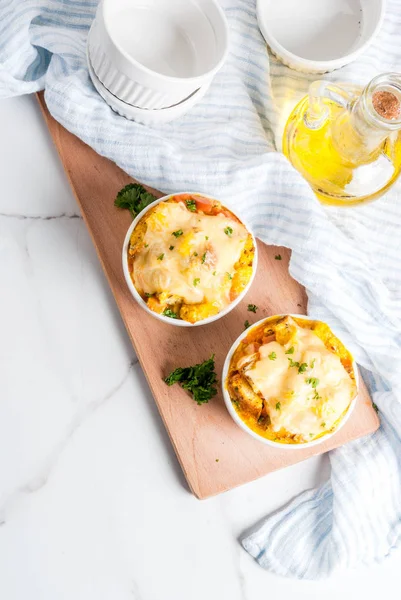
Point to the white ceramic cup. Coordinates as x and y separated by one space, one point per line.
317 36
252 433
139 299
153 54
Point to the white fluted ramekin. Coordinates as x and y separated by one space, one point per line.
144 116
136 295
318 36
154 54
235 416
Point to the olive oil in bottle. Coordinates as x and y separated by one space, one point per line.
347 142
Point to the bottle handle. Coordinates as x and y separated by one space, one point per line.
318 112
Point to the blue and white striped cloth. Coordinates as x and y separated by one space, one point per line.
348 259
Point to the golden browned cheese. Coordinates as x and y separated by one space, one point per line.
192 268
291 380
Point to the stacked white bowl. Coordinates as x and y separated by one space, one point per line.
151 60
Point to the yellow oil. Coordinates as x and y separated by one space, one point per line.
330 157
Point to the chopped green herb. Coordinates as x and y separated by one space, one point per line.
246 324
302 367
311 435
167 312
196 281
313 381
290 350
199 380
293 363
206 237
171 247
252 308
195 254
203 258
146 245
134 197
312 363
375 407
191 205
147 295
214 273
316 396
177 233
160 257
272 356
236 403
278 406
323 424
278 257
228 231
229 275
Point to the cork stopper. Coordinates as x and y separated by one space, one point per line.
387 105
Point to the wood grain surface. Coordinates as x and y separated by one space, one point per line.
214 453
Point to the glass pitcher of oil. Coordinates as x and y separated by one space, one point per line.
346 141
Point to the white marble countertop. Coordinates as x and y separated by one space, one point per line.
93 503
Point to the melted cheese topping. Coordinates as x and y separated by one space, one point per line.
201 263
306 403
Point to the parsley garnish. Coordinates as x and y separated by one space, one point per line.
171 247
228 231
214 273
191 205
177 233
228 275
199 380
196 281
246 324
301 367
134 197
278 257
290 350
278 406
312 363
316 396
146 245
323 425
203 257
375 407
195 254
167 312
147 295
206 237
252 308
272 356
160 257
313 381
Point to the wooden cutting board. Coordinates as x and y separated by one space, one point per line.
214 453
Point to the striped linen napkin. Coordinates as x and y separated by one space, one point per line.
348 259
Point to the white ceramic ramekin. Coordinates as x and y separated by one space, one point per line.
317 36
155 53
241 423
144 115
142 303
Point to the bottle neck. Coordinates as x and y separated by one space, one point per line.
371 118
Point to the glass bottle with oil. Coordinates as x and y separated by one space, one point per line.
346 141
